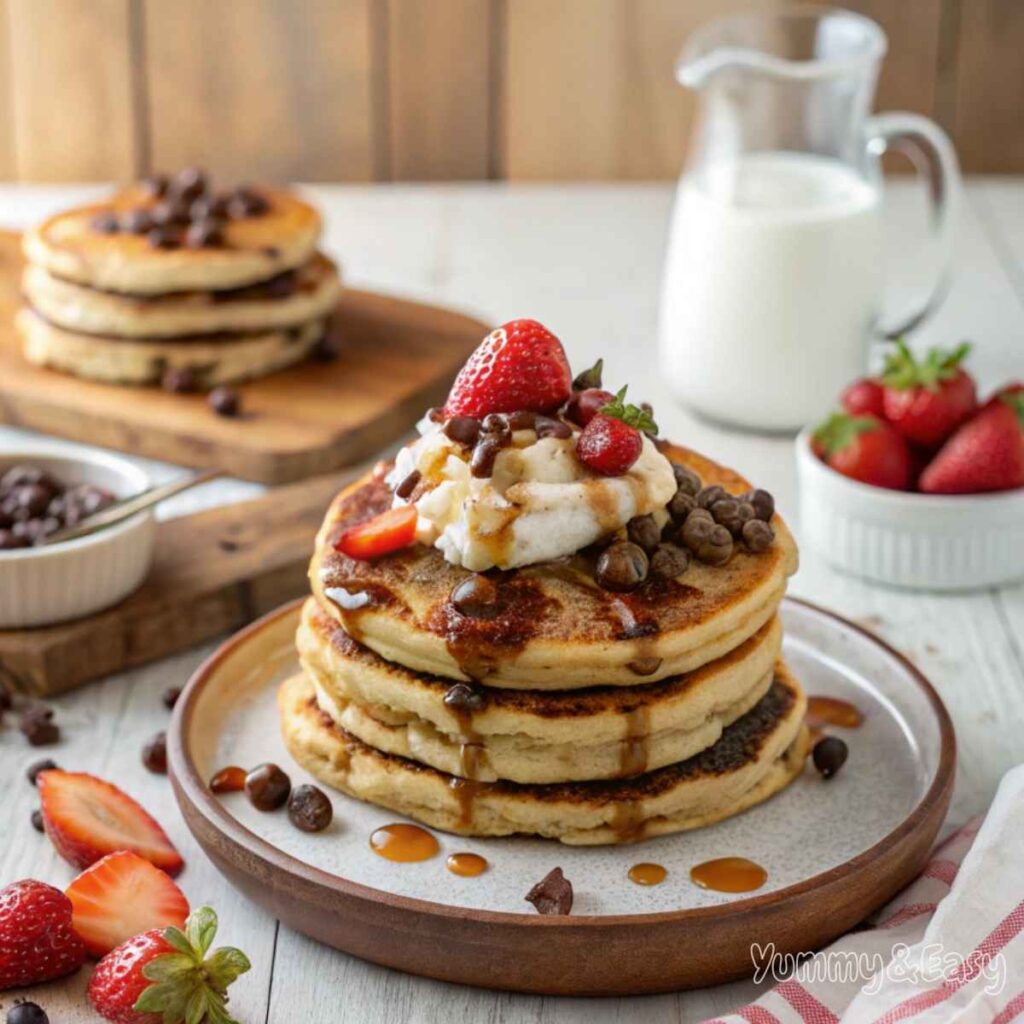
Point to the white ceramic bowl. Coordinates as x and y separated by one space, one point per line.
927 541
46 585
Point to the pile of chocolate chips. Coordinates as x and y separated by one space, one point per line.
705 523
34 504
188 212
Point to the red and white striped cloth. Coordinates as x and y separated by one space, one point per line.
948 950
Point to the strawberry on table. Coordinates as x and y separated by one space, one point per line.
612 440
985 454
865 449
927 400
519 366
121 896
37 940
86 818
384 533
164 976
864 397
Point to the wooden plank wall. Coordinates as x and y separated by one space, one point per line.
364 90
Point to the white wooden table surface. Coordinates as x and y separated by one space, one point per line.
586 261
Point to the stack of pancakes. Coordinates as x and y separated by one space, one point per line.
172 282
567 711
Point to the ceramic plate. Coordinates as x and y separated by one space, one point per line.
834 851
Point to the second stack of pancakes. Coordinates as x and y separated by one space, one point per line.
555 708
173 281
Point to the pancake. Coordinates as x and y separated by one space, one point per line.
757 756
310 292
255 248
554 627
531 736
214 359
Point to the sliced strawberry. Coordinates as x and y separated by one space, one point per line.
519 366
865 449
121 896
864 397
87 818
37 941
390 531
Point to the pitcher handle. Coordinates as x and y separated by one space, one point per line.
932 154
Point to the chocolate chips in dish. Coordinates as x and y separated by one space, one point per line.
552 894
34 504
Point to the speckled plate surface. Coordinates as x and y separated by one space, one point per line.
834 851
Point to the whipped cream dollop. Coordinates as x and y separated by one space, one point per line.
539 503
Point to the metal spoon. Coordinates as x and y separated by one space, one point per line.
126 507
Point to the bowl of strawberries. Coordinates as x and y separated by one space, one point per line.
914 480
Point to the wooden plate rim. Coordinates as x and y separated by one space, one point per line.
191 787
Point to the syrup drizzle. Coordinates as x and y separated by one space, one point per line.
404 843
633 756
823 711
647 874
729 874
466 865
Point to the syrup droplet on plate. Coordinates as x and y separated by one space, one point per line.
403 843
833 711
729 874
466 865
228 780
647 874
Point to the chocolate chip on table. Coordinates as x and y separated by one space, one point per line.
829 755
552 894
763 502
757 535
707 496
408 485
137 222
33 771
681 505
224 401
204 234
476 597
464 697
37 820
24 1012
462 430
154 754
669 561
309 809
179 379
104 223
697 529
38 727
267 787
717 549
686 480
621 567
170 696
644 531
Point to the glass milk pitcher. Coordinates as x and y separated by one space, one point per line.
773 279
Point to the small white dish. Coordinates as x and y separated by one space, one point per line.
50 584
923 541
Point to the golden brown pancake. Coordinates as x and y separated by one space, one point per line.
255 248
759 754
555 628
530 736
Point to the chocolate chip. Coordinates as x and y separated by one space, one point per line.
34 498
463 697
732 514
669 561
707 496
163 238
523 419
763 502
38 727
309 809
155 185
697 529
717 549
686 480
137 222
21 474
621 567
481 464
34 769
408 485
267 787
476 597
179 379
245 202
681 505
104 223
204 234
154 754
644 531
10 541
462 430
224 401
24 1012
496 424
170 213
170 697
829 755
552 894
548 427
757 535
188 184
37 824
6 700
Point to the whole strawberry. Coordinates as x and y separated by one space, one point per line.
985 454
164 976
37 942
864 397
927 400
521 365
865 449
612 440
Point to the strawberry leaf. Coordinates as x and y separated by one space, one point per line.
633 415
1015 400
168 966
225 965
902 371
201 929
589 378
841 429
177 938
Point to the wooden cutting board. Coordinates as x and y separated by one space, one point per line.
397 359
213 572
